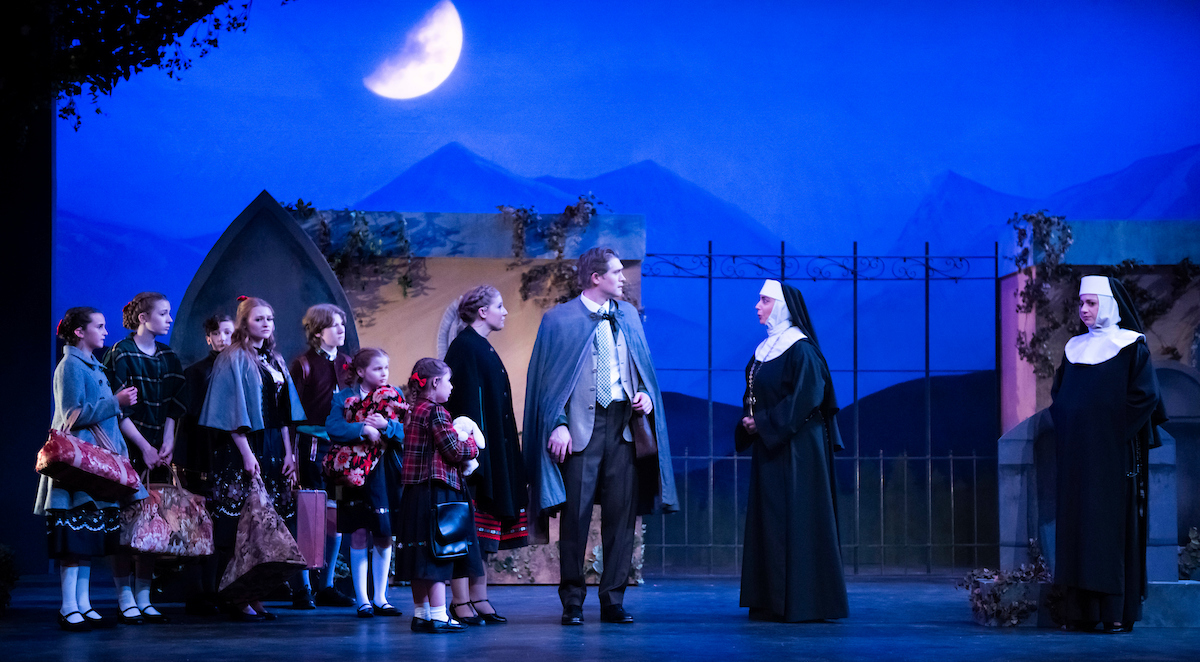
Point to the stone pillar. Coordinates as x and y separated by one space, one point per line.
1162 547
1022 513
1025 481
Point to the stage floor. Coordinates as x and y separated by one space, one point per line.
676 619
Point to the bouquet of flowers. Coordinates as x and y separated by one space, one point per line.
352 463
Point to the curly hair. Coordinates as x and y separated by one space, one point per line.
75 318
476 298
593 261
318 318
142 303
420 381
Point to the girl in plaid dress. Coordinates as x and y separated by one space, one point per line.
432 473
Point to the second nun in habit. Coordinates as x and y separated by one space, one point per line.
1105 408
792 560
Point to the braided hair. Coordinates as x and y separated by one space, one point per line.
423 374
75 318
142 303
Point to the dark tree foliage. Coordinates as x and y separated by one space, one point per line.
65 49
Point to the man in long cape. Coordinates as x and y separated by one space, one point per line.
565 475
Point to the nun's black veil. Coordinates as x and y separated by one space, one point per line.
1130 319
800 319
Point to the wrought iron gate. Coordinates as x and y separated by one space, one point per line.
926 509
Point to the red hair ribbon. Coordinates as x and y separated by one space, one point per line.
242 298
417 378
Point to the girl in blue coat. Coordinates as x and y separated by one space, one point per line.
78 525
366 511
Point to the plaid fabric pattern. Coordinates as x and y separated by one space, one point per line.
431 444
159 381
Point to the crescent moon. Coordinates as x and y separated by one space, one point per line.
430 51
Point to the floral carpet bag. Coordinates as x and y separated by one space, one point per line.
170 521
264 555
92 468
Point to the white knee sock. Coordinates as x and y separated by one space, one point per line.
69 577
358 571
438 613
83 593
381 565
141 592
125 598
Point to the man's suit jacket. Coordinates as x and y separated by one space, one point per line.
581 407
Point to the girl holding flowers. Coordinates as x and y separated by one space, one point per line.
365 427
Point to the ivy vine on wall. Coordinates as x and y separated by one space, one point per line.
1042 244
362 252
552 282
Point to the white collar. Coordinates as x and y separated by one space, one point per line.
1104 339
322 352
781 333
594 307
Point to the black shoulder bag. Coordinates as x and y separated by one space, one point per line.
450 524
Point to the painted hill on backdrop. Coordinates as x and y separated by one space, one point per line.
105 265
680 216
455 179
1161 187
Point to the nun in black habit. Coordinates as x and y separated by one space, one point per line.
792 560
1106 406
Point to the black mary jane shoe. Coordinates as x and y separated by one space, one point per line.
125 619
68 626
426 626
492 618
366 611
240 616
386 610
97 621
155 619
473 619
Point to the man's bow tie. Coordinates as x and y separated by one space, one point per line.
611 316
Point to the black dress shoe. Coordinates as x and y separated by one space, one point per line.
303 599
366 611
615 614
572 615
387 610
473 619
492 618
331 597
95 620
81 626
157 618
125 619
240 616
427 626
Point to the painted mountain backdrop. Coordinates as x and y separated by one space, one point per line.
680 216
105 266
961 216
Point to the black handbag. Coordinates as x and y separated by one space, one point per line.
450 525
